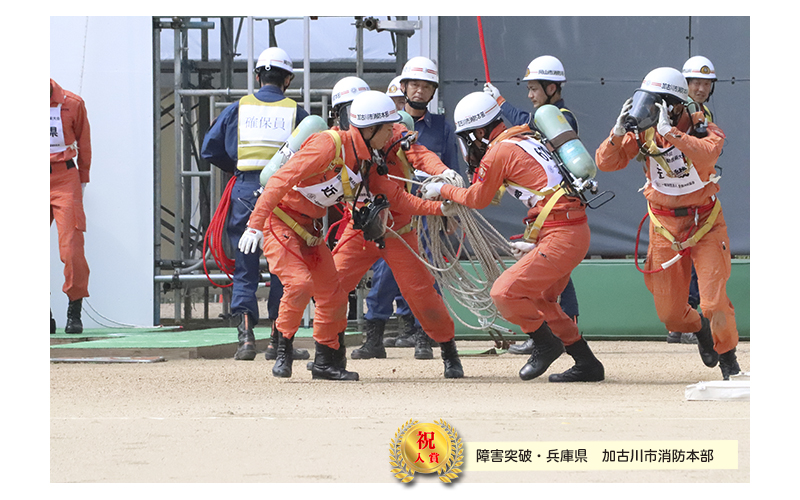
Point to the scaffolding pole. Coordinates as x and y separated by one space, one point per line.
183 100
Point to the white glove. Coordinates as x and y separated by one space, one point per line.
250 240
451 176
83 188
431 190
491 90
664 125
520 248
449 208
619 127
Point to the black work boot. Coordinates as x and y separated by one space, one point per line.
452 363
523 348
728 364
326 365
247 339
546 349
340 359
339 356
272 352
587 367
284 357
74 324
422 345
705 344
373 344
52 323
272 349
408 336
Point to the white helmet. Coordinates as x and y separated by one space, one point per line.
546 68
275 57
347 89
474 111
667 81
372 108
394 88
699 67
420 68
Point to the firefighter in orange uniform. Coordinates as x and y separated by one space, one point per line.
69 141
327 169
354 255
687 226
527 293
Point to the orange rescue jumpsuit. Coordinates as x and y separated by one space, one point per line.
665 194
354 255
69 139
527 293
307 271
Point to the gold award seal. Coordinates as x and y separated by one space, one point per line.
426 448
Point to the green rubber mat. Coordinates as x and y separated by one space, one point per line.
173 343
162 338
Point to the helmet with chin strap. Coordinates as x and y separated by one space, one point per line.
668 83
419 68
372 108
546 68
474 111
699 67
342 95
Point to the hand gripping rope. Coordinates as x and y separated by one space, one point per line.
478 248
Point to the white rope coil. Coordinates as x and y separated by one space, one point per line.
465 254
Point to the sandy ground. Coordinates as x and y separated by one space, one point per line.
226 421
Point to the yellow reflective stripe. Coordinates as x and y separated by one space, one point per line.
531 233
310 239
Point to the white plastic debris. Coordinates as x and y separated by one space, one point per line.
735 389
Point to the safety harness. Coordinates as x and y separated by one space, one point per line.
338 162
533 227
714 207
649 148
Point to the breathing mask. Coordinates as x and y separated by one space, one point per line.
644 112
341 115
472 149
371 218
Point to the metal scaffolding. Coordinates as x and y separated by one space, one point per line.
193 109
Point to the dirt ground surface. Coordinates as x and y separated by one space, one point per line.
226 421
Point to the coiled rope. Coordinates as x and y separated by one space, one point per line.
465 254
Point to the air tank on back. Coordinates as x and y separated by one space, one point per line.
549 120
305 129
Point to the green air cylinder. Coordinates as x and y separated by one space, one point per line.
549 120
308 127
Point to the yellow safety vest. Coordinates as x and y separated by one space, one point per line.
263 128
